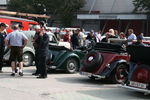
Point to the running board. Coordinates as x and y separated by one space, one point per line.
145 91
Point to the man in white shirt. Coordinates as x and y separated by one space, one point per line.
16 41
131 36
81 37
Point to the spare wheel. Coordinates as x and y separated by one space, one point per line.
92 60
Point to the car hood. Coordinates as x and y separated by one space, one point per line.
65 44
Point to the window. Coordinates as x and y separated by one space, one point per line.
31 26
52 39
14 23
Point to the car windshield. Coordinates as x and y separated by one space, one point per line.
52 38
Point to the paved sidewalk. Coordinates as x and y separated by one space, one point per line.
60 86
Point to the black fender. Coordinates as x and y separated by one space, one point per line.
141 66
109 68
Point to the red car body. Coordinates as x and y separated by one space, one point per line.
106 61
10 21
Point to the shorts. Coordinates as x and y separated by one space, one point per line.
16 54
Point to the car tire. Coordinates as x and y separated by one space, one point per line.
72 65
120 74
92 60
27 59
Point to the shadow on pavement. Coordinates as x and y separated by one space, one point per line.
7 75
82 80
115 94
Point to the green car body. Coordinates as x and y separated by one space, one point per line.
61 58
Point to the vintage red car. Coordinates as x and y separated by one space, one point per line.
10 21
106 60
139 79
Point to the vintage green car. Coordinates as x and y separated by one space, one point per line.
62 58
29 52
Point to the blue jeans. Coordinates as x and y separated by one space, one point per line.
132 67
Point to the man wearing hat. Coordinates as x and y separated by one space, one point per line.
3 27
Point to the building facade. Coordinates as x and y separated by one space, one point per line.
3 4
116 14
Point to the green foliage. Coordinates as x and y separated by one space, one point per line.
65 9
142 5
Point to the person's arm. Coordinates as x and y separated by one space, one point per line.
7 41
25 40
43 40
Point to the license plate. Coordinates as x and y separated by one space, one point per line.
85 73
137 84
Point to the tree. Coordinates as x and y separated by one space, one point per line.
142 5
64 9
69 7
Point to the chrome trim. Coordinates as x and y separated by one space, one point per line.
52 67
90 74
137 89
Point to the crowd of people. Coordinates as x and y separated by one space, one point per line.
78 37
16 41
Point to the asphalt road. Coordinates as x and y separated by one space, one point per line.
61 86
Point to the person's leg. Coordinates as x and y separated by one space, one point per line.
13 60
43 68
13 66
20 60
21 68
132 67
36 64
1 59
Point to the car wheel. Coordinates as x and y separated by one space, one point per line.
120 74
71 65
27 59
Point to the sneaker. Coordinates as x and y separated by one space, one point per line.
20 73
13 74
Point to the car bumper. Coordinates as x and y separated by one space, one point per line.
90 74
52 67
136 89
